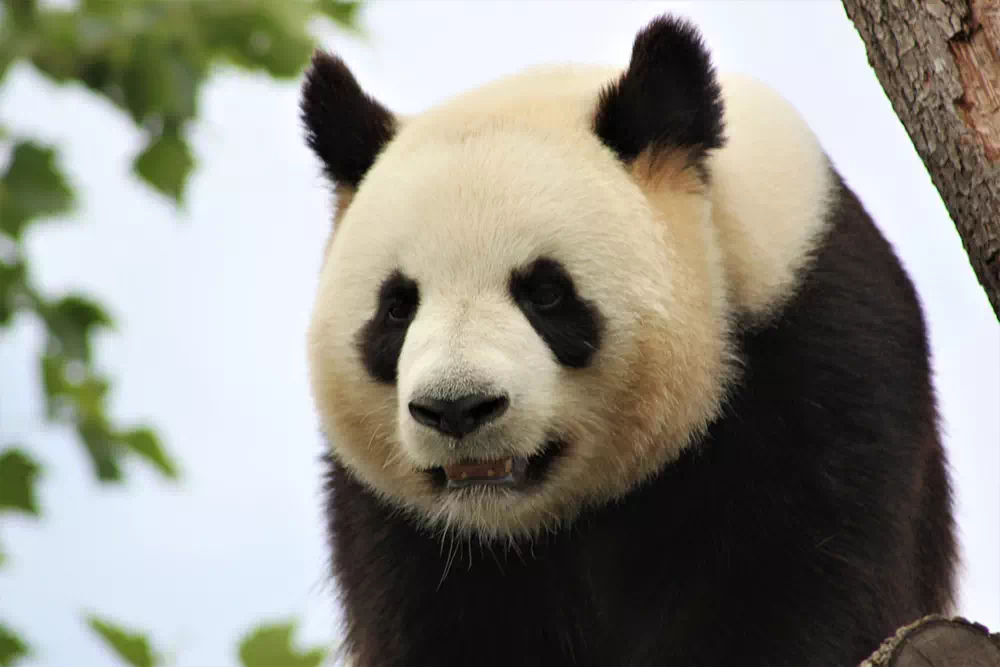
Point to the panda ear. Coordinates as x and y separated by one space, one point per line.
345 127
667 100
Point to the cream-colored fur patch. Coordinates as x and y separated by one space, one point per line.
496 177
771 191
342 195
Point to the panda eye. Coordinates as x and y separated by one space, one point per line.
401 310
546 296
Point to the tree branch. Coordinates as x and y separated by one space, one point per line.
939 64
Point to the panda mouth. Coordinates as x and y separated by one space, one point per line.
516 472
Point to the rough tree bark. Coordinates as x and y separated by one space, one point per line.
936 641
939 63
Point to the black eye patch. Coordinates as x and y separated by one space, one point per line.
571 326
380 340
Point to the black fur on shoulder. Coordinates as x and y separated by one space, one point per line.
667 99
812 521
345 127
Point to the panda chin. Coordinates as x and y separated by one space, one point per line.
515 473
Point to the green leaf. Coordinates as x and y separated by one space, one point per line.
54 382
133 648
67 46
77 395
90 396
270 645
160 81
145 443
12 647
105 7
18 474
258 34
66 379
32 187
7 58
21 12
13 281
104 449
166 164
71 321
344 13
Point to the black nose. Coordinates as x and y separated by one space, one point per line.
458 417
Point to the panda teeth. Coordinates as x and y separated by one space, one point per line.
497 472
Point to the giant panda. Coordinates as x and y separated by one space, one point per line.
615 369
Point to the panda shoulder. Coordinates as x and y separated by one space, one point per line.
772 188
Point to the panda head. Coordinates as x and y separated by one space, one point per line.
520 311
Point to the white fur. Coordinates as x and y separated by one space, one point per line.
496 177
771 191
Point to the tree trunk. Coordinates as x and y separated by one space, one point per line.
939 63
935 641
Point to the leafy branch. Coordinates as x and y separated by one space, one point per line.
150 59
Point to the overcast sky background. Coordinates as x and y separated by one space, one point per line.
212 308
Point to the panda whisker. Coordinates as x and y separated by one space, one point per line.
452 551
516 548
444 538
375 434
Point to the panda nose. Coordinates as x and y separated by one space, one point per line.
458 417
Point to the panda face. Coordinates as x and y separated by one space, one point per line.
512 322
499 313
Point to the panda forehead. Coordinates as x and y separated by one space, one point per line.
492 202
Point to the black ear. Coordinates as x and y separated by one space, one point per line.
345 127
667 99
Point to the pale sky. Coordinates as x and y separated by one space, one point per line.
212 308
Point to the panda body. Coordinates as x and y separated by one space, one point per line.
698 376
